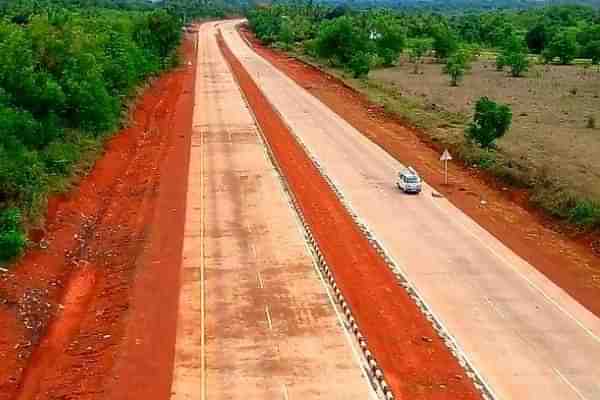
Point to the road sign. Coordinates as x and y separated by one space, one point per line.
446 156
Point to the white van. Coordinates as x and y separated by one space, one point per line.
409 181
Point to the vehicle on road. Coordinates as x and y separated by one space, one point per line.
409 181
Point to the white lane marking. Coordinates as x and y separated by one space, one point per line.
253 247
260 281
249 227
519 273
568 382
495 307
285 392
268 317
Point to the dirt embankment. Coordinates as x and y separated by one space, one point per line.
91 315
573 263
416 362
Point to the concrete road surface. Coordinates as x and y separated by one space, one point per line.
526 337
255 320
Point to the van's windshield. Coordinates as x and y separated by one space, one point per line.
412 179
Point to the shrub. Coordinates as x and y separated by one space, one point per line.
65 70
537 38
490 122
359 64
59 157
340 40
12 237
457 65
418 49
389 37
585 213
591 122
562 46
592 51
445 42
514 55
23 180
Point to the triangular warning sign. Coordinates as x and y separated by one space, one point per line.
446 156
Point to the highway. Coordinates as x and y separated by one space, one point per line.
255 318
525 336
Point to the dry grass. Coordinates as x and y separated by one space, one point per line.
551 109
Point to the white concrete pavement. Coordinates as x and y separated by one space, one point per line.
255 320
526 337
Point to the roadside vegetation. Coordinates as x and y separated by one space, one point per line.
66 75
396 57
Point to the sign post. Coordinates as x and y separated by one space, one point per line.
445 158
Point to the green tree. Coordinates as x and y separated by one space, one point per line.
490 122
360 64
340 39
419 48
388 36
457 65
562 46
64 76
592 50
538 37
514 55
445 42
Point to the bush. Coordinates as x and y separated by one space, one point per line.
457 65
537 38
585 213
359 65
418 49
562 46
64 70
490 122
514 54
12 237
592 51
445 42
389 37
59 157
340 40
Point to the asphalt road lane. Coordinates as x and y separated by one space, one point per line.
527 337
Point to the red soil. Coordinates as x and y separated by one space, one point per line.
71 315
415 361
570 261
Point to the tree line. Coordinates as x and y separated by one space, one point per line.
360 40
65 74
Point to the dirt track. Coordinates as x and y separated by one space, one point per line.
103 295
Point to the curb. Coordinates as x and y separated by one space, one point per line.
373 366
